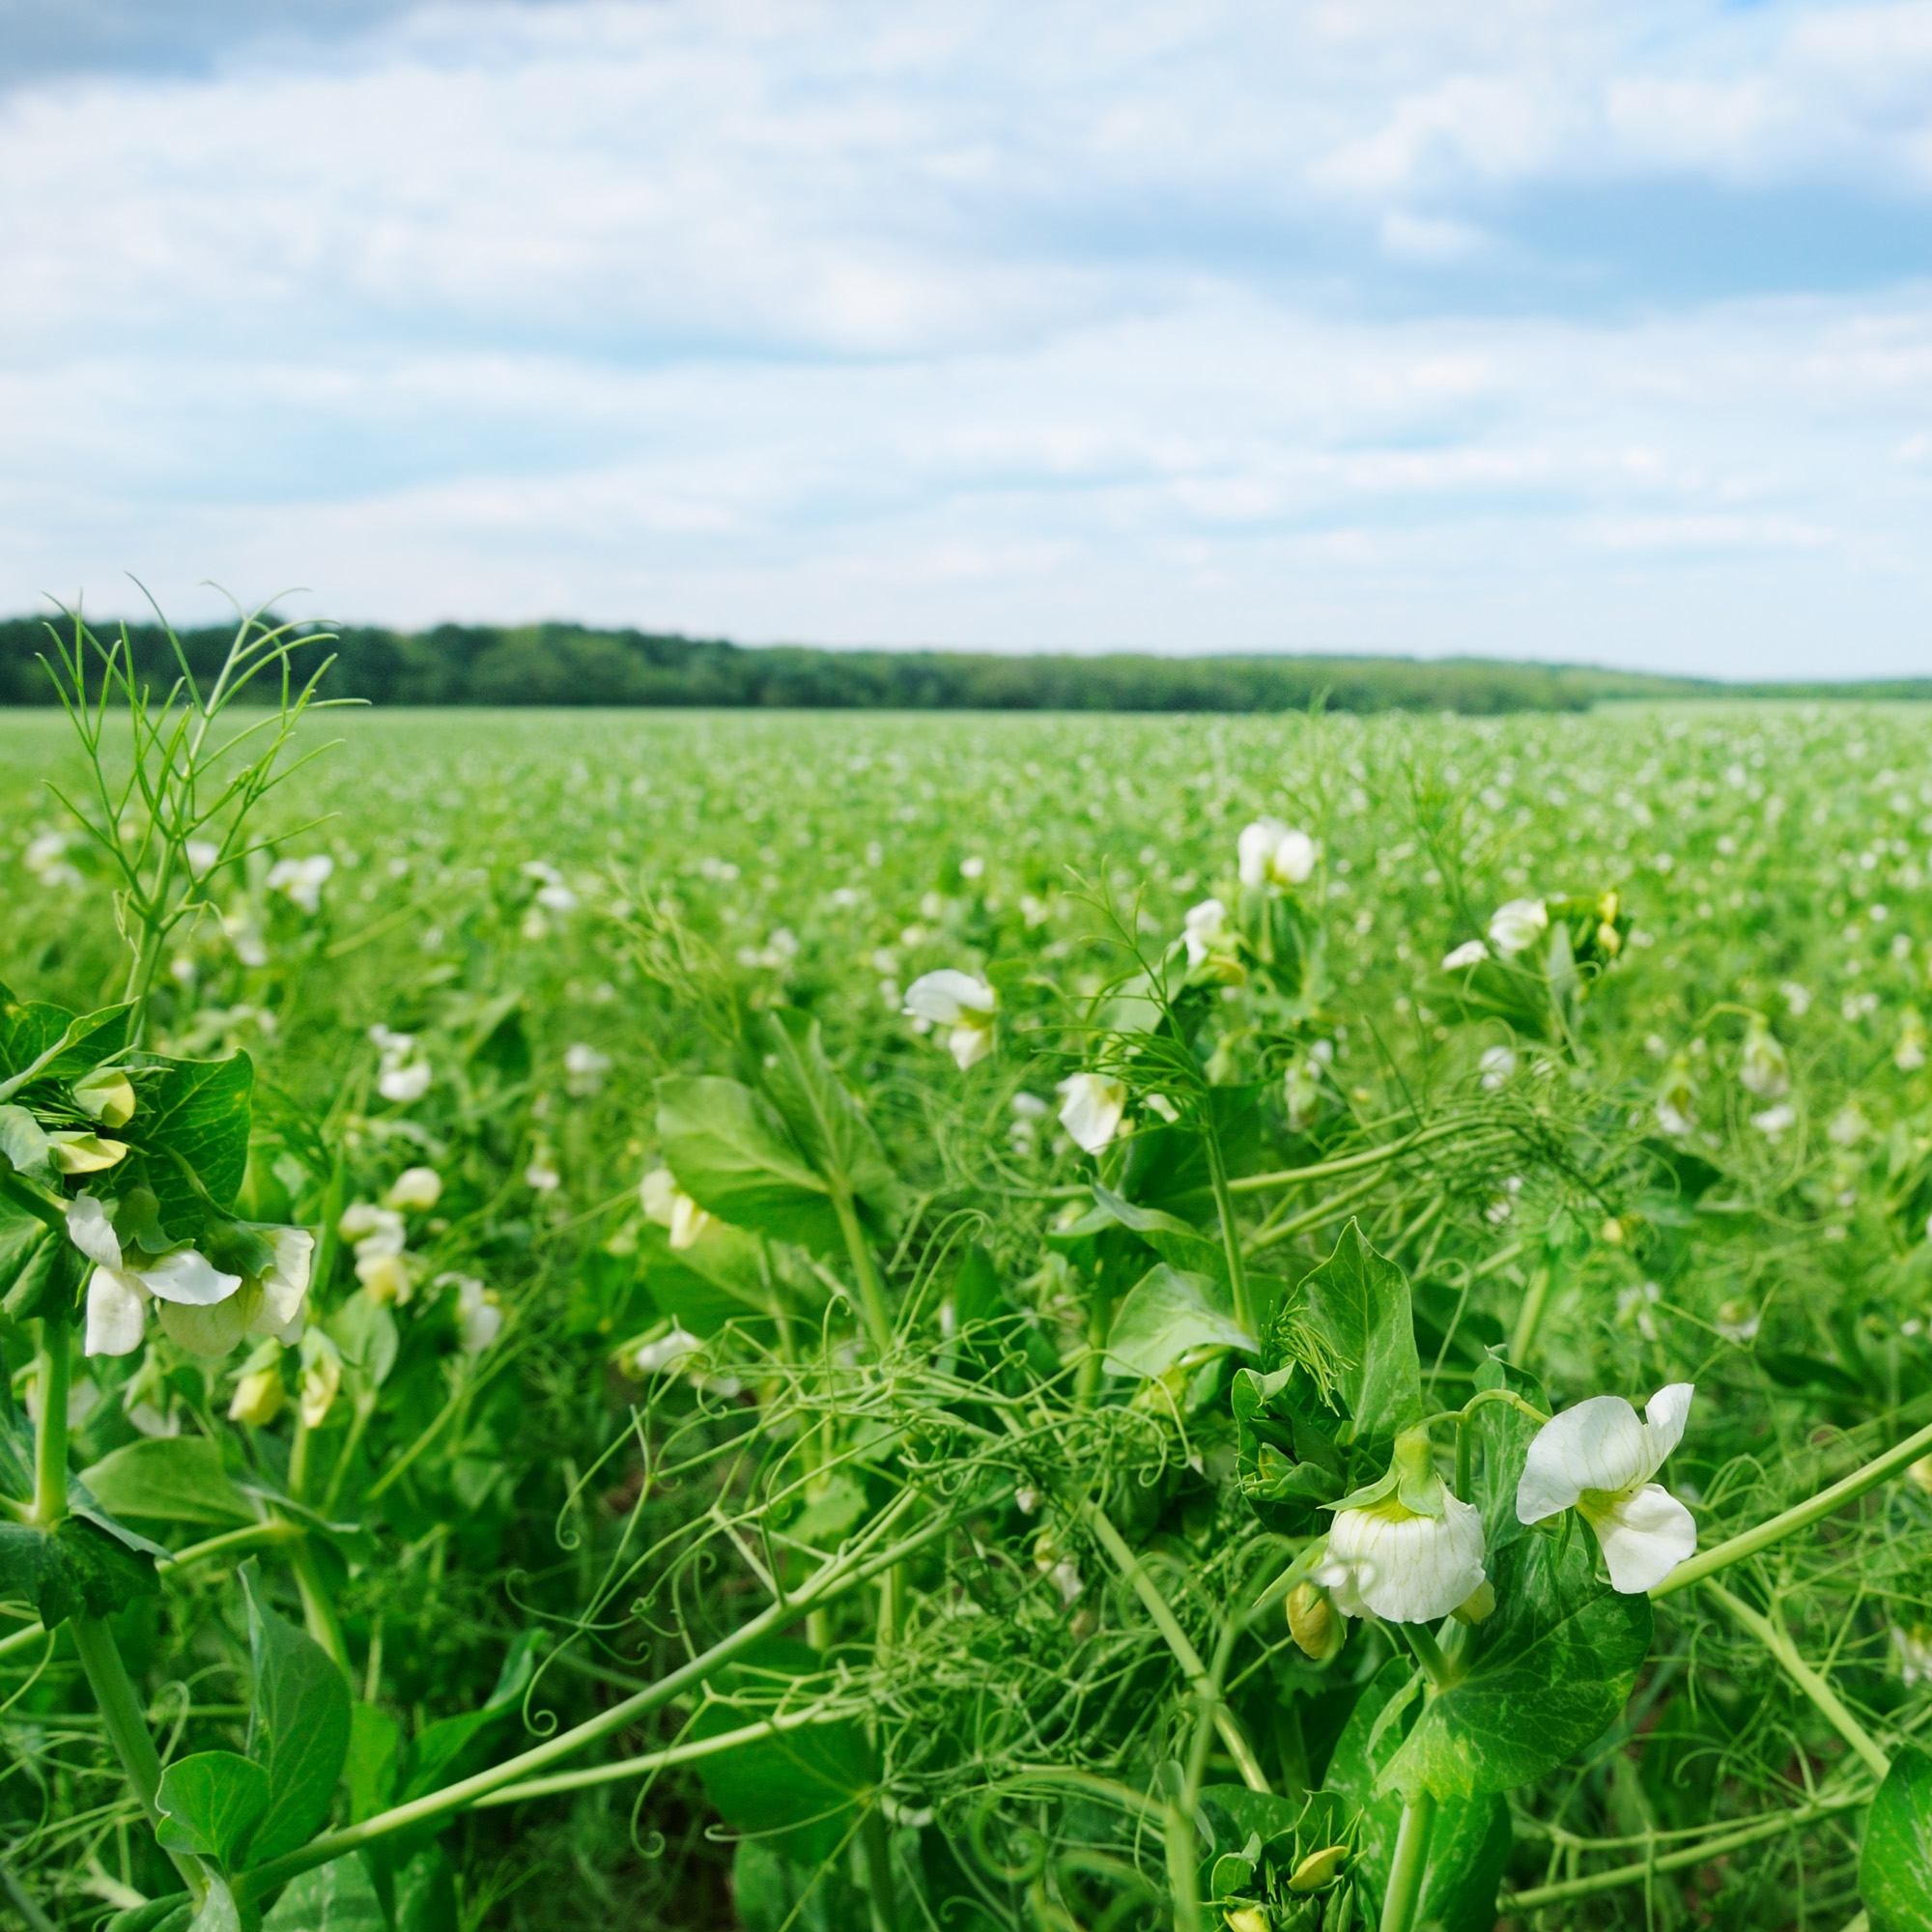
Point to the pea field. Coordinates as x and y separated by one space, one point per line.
950 1323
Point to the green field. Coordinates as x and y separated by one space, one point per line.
1091 1406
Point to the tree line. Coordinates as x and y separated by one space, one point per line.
558 663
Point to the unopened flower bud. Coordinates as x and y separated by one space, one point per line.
106 1096
1318 1868
1477 1605
1312 1622
258 1398
1920 1472
1249 1918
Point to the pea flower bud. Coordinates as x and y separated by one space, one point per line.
417 1188
106 1096
1312 1622
258 1398
1269 853
1318 1868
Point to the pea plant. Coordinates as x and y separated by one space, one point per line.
827 1482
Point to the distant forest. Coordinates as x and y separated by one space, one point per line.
570 664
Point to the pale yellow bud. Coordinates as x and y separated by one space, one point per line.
1920 1472
258 1398
1312 1622
1318 1868
1612 1232
1249 1918
107 1096
1477 1605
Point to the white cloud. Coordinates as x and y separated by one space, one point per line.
985 324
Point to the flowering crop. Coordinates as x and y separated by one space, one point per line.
727 1321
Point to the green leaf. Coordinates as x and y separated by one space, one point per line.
440 1754
825 1118
196 1111
375 1756
735 1156
39 1042
210 1803
78 1567
1167 1235
158 1914
1546 1674
365 1330
218 1911
1502 1434
1492 991
179 1479
23 1141
1288 1466
298 1730
1896 1866
47 1272
426 1893
1469 1844
799 1788
1165 1313
1357 1301
339 1896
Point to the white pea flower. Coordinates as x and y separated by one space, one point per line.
1091 1108
1677 1100
1497 1064
374 1231
417 1188
117 1298
1763 1068
962 1002
1269 853
1776 1121
1517 927
666 1204
1472 953
272 1304
479 1321
404 1084
1598 1459
666 1351
321 1378
1405 1549
1915 1652
1207 934
302 880
584 1070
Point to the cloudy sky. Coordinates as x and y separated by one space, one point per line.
1570 331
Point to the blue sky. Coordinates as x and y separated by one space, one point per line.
1560 330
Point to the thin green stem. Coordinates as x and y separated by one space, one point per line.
1695 1569
1231 1232
1702 1853
1185 1655
877 1845
127 1727
871 1297
318 1608
1775 1639
1410 1864
1260 1183
1530 1314
851 1571
1428 1653
50 1380
1178 1838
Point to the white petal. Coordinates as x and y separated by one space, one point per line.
1597 1445
285 1283
1091 1110
1664 1417
188 1276
1294 857
1415 1569
90 1230
948 996
658 1191
970 1045
1645 1537
1472 953
1255 847
117 1307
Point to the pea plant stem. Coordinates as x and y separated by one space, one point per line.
1707 1563
871 1297
1775 1639
50 1382
1409 1864
120 1711
852 1570
1260 1183
1230 1231
1685 1857
1205 1684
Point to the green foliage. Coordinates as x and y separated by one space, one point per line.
1896 1866
299 1727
